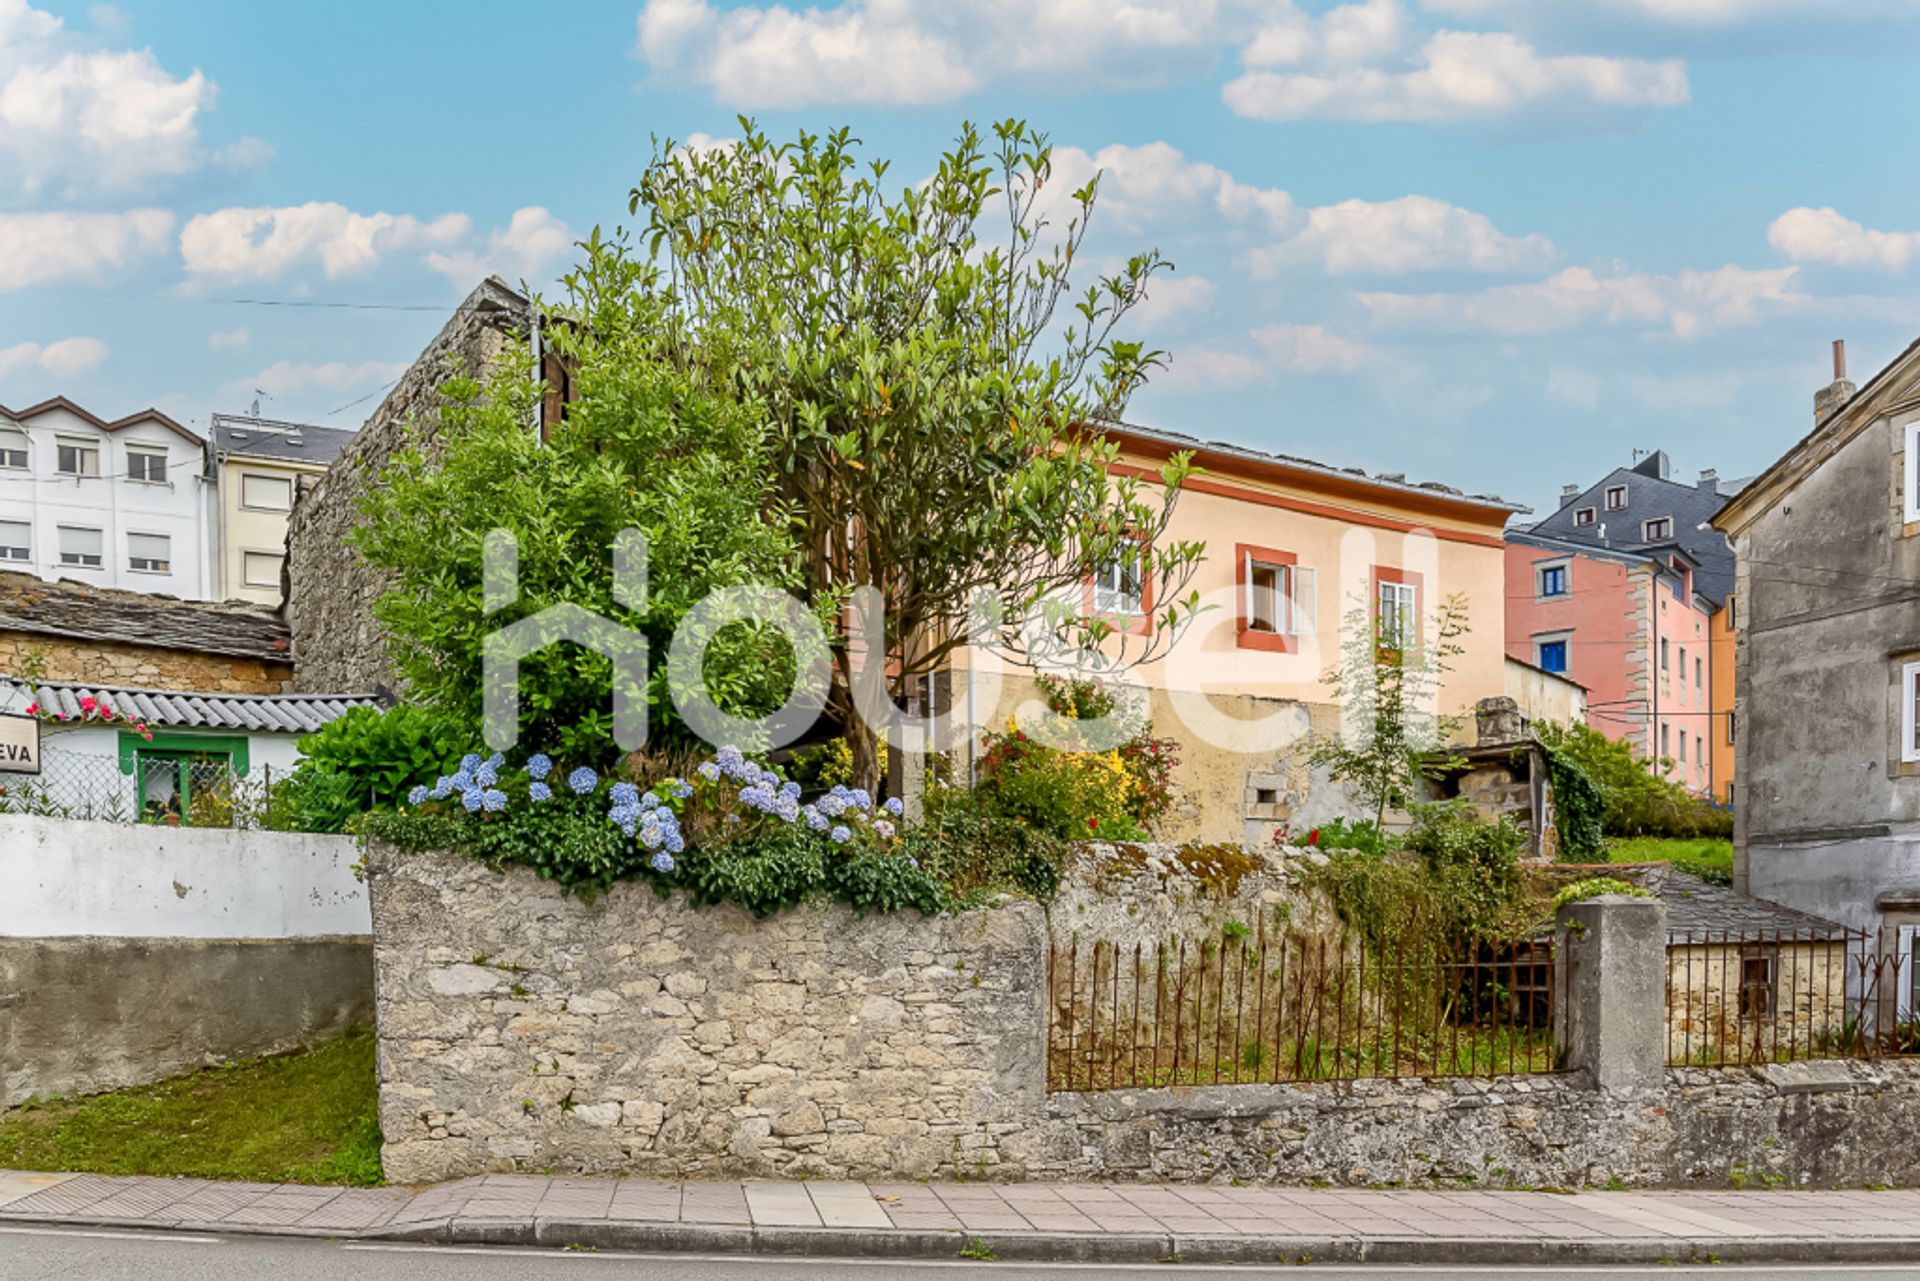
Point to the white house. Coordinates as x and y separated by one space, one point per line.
126 504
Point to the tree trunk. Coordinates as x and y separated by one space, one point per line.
866 752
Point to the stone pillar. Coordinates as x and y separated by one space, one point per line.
1612 1017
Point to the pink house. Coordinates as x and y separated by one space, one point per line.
1630 626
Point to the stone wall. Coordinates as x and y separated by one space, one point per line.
330 594
523 1030
143 666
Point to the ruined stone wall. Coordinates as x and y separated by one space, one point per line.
523 1030
142 666
337 645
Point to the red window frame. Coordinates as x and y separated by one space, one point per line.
1140 624
1246 636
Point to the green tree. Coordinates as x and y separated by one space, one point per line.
643 445
929 385
1387 687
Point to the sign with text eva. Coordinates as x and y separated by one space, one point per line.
19 745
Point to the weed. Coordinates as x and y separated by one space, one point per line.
977 1250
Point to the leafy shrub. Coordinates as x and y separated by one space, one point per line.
1596 887
366 758
1638 802
1361 834
1070 795
974 850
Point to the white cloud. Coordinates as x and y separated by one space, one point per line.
1827 237
1702 390
1211 368
1413 233
263 243
38 248
63 358
1358 62
1687 304
1311 349
913 52
76 120
1142 186
1679 13
1169 296
522 250
286 379
229 339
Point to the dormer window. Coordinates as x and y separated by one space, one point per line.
146 465
1583 516
78 458
1657 530
1616 497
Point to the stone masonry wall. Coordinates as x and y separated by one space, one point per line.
522 1030
142 666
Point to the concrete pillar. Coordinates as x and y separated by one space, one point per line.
1613 1013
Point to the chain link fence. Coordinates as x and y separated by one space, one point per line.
177 791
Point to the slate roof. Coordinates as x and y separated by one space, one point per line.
173 709
80 611
1707 911
1650 496
286 442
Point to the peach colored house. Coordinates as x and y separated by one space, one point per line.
1630 626
1295 551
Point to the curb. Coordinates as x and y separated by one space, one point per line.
1064 1247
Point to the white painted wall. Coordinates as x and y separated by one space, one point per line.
64 878
181 507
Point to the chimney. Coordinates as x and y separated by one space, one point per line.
1568 493
1829 399
1709 480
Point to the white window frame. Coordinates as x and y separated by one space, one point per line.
99 560
280 563
1646 529
1903 973
284 481
1620 506
1401 602
1112 593
1910 472
26 549
152 455
87 448
15 441
1909 729
1583 517
156 564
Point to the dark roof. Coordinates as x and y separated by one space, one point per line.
1706 911
289 442
88 416
1384 480
80 611
1650 496
174 709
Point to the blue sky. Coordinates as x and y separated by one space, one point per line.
1497 243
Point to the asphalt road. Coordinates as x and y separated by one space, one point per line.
72 1254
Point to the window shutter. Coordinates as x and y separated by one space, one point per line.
1303 611
149 546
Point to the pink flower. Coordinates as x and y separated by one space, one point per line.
33 709
88 704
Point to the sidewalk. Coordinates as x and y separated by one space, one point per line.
1093 1223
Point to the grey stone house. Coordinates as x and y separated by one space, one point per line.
1828 657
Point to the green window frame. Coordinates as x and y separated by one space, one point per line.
234 747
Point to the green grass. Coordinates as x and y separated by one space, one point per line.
1709 858
299 1118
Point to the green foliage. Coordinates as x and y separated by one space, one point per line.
1361 834
1579 808
1387 691
975 850
644 445
924 391
1709 858
366 758
1596 887
1638 801
311 1117
1069 795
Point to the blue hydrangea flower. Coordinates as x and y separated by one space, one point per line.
815 819
539 792
470 762
894 806
883 827
709 771
626 817
650 801
539 765
790 790
675 842
418 796
461 780
840 835
679 788
487 775
860 799
787 808
831 805
624 794
442 788
497 759
471 799
662 862
493 800
582 781
731 761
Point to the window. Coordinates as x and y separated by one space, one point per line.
1683 665
1551 580
1910 472
1699 750
260 569
1732 618
1909 706
1699 683
1616 497
1730 726
80 548
149 553
1683 747
16 540
1551 655
1583 515
267 493
78 458
1396 610
1656 530
1666 747
1756 983
13 449
1277 598
1116 584
1663 653
146 466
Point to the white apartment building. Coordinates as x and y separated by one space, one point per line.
126 504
